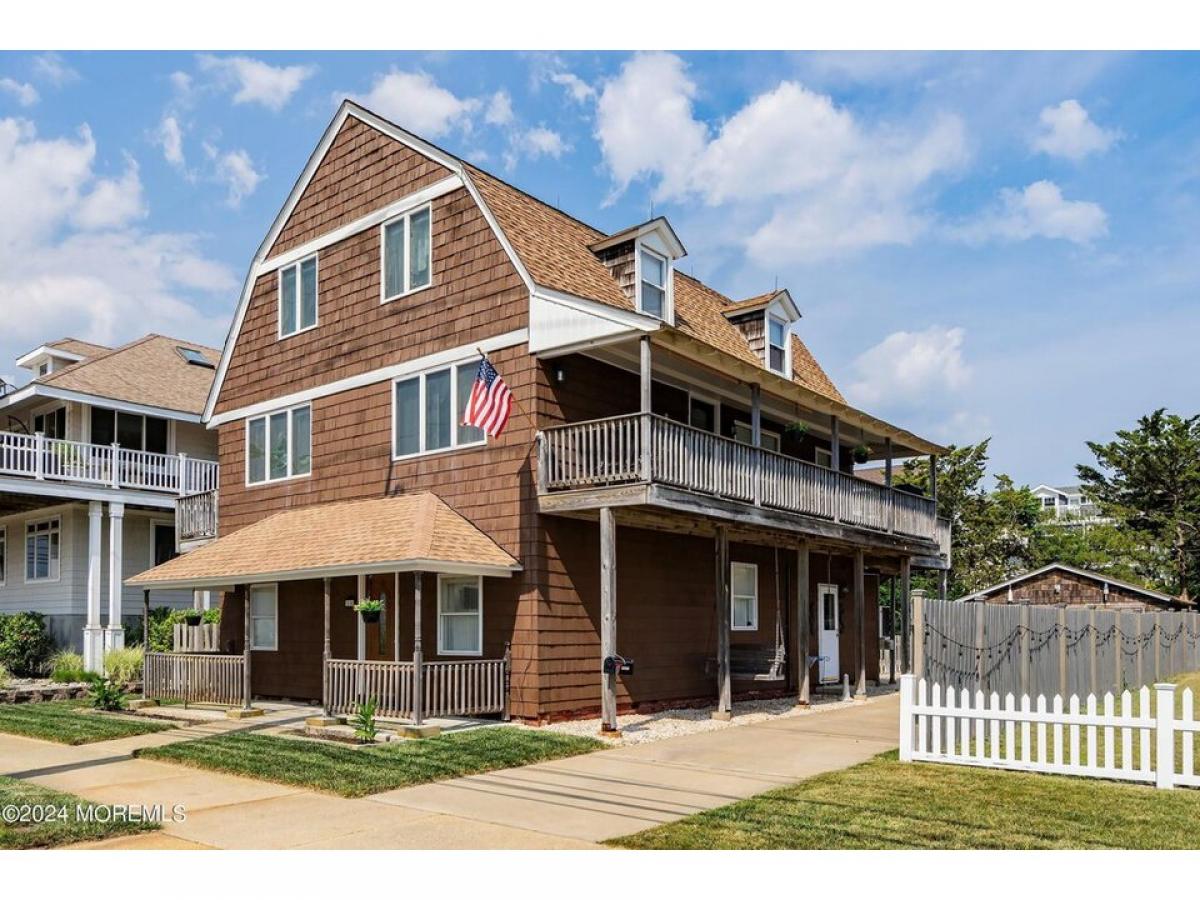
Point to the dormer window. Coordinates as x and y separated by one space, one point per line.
777 344
652 298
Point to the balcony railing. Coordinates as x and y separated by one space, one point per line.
651 449
52 459
196 517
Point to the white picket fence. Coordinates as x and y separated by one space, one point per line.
1146 741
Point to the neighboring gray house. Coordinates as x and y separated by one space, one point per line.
1068 505
93 452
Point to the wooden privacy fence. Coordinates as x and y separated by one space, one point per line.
194 678
467 688
203 638
1150 739
1023 649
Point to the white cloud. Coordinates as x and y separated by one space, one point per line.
910 369
499 110
24 93
70 251
577 89
236 171
851 187
1067 130
254 81
534 143
170 137
53 69
414 101
1039 210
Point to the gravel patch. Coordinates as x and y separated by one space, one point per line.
643 728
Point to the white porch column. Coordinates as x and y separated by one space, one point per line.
114 635
93 631
202 599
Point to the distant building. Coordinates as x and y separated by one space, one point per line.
1061 585
1068 505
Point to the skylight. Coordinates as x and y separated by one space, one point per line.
195 358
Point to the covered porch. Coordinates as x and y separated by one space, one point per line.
293 626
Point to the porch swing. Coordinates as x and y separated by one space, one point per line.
760 663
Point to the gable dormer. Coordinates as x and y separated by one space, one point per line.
766 322
642 259
55 356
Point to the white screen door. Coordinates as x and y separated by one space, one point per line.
827 642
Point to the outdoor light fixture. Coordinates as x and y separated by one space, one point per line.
560 374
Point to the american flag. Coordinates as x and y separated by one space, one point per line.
490 402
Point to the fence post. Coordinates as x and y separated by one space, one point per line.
979 611
1138 644
907 687
1062 653
1095 648
918 634
1157 645
183 474
1025 650
1164 729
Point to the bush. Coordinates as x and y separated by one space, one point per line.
108 694
163 620
66 667
25 645
3 678
124 665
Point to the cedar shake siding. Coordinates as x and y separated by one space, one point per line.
1072 590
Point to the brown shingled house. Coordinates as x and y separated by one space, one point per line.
671 515
1058 584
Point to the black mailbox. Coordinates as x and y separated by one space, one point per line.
617 665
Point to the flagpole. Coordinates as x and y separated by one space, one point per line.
516 402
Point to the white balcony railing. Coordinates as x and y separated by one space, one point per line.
652 449
52 459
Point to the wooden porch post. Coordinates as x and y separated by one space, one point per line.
860 623
145 634
418 656
756 415
246 648
724 681
892 629
835 444
906 612
326 652
805 626
396 619
933 487
647 383
887 461
608 618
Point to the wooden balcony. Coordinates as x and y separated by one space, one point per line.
195 519
651 450
41 458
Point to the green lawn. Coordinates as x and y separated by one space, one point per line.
55 831
65 722
355 772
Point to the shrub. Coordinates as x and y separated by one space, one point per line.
25 645
3 678
66 666
124 665
162 623
364 721
107 694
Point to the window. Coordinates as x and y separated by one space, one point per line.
776 345
264 617
52 424
3 551
195 358
429 408
460 615
407 254
823 457
743 579
702 414
279 445
744 434
653 294
298 297
44 369
132 431
42 541
1048 501
164 543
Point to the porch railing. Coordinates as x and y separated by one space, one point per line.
459 688
196 517
194 678
642 448
53 459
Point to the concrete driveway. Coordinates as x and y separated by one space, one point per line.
565 804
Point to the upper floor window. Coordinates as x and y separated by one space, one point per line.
279 445
407 254
42 541
776 344
298 296
653 289
743 579
429 409
823 457
133 431
744 434
52 424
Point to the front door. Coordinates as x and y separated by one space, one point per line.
827 641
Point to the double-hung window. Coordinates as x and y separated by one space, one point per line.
653 288
777 345
460 615
407 253
743 579
264 617
42 543
279 445
298 296
429 410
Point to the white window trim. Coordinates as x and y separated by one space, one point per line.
786 347
819 452
454 442
442 651
274 588
408 291
4 555
57 520
753 626
668 313
315 257
267 448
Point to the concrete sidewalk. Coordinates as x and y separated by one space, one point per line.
567 804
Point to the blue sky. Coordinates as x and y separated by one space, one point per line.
981 244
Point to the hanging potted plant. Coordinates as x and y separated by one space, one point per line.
860 454
193 617
369 609
796 429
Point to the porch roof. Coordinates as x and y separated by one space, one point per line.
409 532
